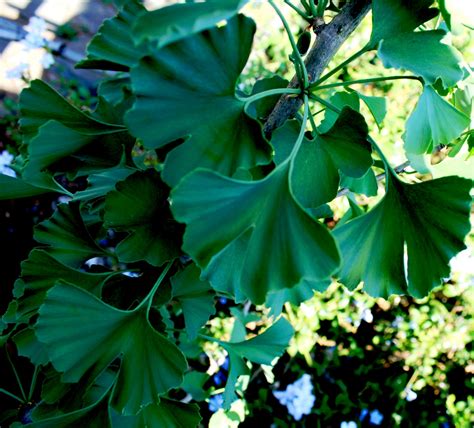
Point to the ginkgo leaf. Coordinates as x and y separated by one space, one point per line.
196 298
13 188
344 147
28 346
261 349
113 47
38 274
196 78
39 104
377 107
153 235
285 244
67 237
424 54
434 122
430 218
178 21
88 341
167 413
392 17
366 184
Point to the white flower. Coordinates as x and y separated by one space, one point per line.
410 394
47 60
376 417
5 161
33 41
298 397
367 316
350 424
17 72
36 25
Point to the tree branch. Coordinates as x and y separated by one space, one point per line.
329 38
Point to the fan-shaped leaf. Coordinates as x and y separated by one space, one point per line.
154 236
433 122
424 54
14 188
430 218
88 340
285 244
196 78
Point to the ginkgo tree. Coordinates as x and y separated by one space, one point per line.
231 206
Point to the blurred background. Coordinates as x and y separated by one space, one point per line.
371 361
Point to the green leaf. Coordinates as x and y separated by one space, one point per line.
114 88
366 185
39 273
340 100
28 346
424 54
219 210
153 235
179 21
196 78
434 122
377 107
168 413
95 415
262 108
113 47
261 349
13 188
196 298
39 104
392 17
344 147
88 341
67 237
430 218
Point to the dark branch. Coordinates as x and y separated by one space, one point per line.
329 39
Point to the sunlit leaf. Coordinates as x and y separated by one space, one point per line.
196 78
219 210
424 54
434 122
153 235
431 218
89 340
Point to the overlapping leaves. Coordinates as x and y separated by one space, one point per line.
196 77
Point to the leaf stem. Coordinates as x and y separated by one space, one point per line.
314 10
15 397
303 14
16 376
315 87
277 91
300 138
33 383
341 65
302 67
151 294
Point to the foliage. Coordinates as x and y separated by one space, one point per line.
176 203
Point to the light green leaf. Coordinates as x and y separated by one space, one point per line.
220 210
178 21
377 107
39 104
113 48
153 235
196 298
167 414
424 54
13 188
196 78
434 122
67 237
392 17
88 341
430 218
344 147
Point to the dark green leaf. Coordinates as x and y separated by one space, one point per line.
89 340
430 218
219 210
28 346
264 106
434 122
154 236
196 78
12 188
425 55
196 298
366 185
113 48
178 21
392 17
